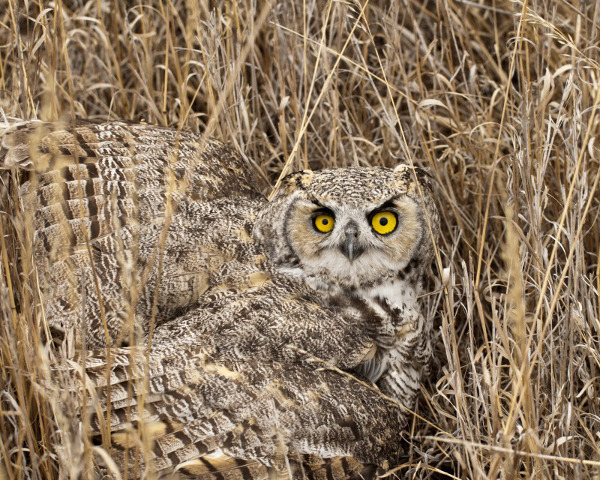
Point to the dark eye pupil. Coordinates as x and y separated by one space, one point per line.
383 222
324 221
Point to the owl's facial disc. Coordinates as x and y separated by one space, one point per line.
350 228
353 245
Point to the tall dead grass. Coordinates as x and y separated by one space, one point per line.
499 100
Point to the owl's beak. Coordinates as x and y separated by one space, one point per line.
351 247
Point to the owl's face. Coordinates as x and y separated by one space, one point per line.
352 228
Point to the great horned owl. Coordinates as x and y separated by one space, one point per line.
268 322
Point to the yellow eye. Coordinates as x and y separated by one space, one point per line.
324 223
384 222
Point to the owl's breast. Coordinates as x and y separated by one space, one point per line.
394 322
374 367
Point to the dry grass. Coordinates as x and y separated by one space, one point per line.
498 99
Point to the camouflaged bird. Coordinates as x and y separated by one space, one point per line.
267 323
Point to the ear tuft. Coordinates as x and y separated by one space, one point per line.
401 168
299 180
404 173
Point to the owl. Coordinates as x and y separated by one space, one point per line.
227 336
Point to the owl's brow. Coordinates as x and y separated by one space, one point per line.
322 211
319 204
387 204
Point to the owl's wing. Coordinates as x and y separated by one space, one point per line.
256 313
250 381
204 415
108 205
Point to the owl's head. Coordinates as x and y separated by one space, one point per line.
351 227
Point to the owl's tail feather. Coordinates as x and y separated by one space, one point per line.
313 467
173 453
198 449
225 467
307 467
196 416
217 465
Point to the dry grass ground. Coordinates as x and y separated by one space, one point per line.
497 99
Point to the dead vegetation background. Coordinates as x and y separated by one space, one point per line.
497 99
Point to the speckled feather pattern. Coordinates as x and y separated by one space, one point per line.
264 339
118 189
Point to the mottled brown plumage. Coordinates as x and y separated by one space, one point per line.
263 334
124 195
